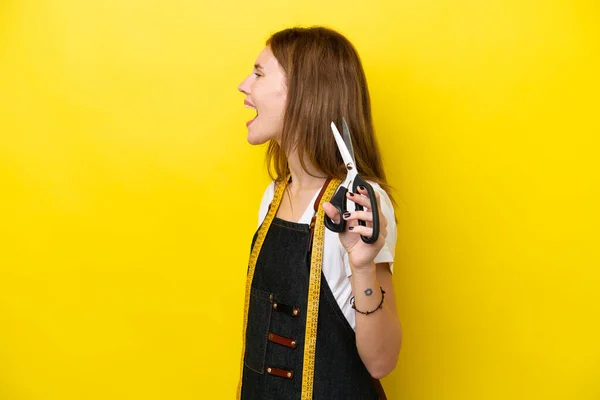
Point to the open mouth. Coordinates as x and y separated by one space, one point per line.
248 105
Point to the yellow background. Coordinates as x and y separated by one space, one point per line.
129 194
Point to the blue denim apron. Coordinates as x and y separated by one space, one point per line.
276 327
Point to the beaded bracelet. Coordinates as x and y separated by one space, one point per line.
369 312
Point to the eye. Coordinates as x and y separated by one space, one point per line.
257 75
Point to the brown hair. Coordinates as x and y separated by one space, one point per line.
325 82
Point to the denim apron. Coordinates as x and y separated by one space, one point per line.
273 358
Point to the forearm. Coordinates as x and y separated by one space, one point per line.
378 335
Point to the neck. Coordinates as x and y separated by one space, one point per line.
308 179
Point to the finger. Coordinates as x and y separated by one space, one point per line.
364 194
332 212
359 199
358 215
361 230
363 190
366 232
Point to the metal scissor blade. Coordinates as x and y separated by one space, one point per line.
348 139
346 155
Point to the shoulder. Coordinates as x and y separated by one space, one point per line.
377 187
388 252
386 203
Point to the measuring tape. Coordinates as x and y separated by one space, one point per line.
314 285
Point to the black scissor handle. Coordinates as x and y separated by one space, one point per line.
358 181
339 202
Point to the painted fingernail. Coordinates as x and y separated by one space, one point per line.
347 215
361 187
351 194
350 228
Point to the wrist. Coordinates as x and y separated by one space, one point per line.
367 312
365 271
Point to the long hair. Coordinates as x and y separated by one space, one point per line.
325 82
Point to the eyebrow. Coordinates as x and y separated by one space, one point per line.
258 66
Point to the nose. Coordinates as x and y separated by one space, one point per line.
244 87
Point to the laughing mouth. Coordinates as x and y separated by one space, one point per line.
247 104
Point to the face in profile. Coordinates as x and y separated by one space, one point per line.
266 92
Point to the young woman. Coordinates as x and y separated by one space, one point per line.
309 334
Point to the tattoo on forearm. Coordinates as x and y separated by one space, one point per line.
368 292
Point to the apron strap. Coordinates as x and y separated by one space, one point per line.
316 208
379 389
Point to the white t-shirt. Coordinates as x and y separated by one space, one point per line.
336 267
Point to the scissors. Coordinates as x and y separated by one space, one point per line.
352 179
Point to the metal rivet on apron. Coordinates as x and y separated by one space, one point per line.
289 374
296 311
294 343
269 370
275 306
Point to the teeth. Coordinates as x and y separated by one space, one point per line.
249 106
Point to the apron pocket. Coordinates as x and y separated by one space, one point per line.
257 330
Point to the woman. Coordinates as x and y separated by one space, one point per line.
310 334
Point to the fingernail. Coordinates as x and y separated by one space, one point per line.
350 228
351 194
346 215
361 187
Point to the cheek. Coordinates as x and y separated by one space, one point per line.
282 94
280 102
274 107
271 101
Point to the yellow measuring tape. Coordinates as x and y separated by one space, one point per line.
314 286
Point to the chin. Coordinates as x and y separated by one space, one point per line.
254 140
260 138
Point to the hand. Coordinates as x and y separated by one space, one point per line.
360 254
